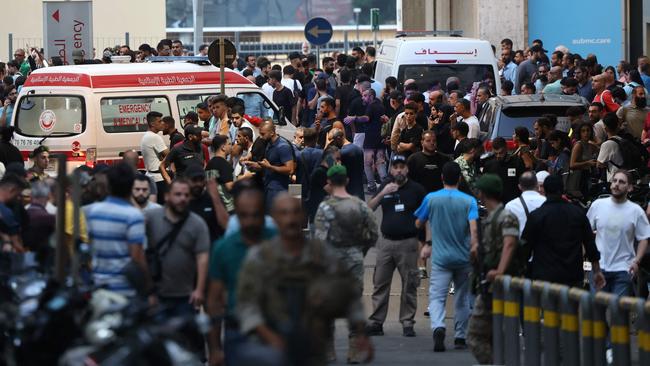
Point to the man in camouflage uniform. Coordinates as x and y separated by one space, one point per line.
499 244
290 289
347 225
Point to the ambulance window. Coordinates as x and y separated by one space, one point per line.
187 102
129 114
257 105
51 115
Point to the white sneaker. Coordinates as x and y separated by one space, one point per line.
609 355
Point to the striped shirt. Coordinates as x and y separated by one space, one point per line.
113 225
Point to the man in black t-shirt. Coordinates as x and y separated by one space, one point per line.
425 167
508 167
207 202
265 67
189 153
325 120
282 97
399 199
170 129
411 135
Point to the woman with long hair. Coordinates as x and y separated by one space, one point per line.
440 124
521 138
583 160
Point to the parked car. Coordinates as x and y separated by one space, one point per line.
503 113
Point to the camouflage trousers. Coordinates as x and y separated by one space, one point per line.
479 332
351 259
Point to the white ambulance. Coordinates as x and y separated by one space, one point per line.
92 113
430 60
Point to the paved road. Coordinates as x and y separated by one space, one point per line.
393 348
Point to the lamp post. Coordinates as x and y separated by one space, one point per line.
356 12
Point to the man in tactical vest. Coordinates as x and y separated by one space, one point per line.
499 245
291 289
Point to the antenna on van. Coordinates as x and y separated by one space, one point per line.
443 33
199 60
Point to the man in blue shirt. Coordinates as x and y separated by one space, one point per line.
7 109
278 163
117 232
452 217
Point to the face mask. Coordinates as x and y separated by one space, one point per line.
640 102
400 179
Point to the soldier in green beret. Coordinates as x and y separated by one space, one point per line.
346 224
499 244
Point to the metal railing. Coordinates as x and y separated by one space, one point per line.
565 325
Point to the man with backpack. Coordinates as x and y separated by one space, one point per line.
619 151
603 95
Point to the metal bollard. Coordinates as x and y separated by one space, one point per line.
644 333
587 331
620 334
599 334
531 326
511 322
551 324
497 323
569 329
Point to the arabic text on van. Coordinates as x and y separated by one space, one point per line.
55 79
166 80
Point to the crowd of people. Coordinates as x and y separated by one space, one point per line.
211 224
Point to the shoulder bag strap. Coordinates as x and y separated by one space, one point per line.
523 203
168 240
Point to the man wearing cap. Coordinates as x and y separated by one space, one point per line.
499 244
452 217
41 159
347 225
182 156
399 198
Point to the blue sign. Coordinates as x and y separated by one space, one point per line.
318 31
552 22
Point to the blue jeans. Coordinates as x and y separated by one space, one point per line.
440 278
617 283
241 350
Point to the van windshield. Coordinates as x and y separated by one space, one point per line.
45 115
427 75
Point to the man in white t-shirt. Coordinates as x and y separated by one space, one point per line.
530 197
464 113
154 150
618 224
610 156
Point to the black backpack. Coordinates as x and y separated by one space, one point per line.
635 155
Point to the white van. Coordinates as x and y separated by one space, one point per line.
92 113
428 60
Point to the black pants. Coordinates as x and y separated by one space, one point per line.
162 189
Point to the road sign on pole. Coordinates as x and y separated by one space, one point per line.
318 31
222 53
374 24
374 19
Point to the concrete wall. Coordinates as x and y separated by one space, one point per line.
502 19
143 19
464 17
